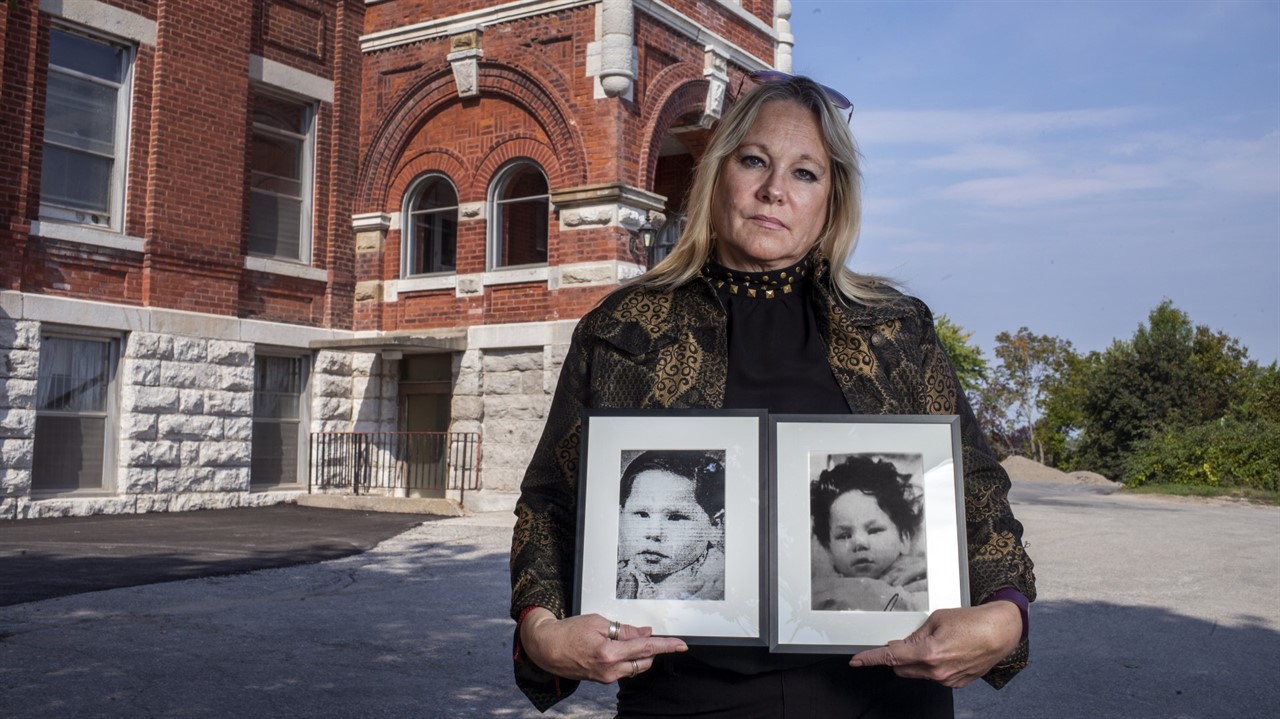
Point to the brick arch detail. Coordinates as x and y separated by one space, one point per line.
675 92
432 160
505 150
406 119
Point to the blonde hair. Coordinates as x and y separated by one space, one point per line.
839 235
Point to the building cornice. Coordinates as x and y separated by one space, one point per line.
507 12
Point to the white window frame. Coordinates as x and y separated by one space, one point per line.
118 184
304 420
111 412
494 207
308 138
408 231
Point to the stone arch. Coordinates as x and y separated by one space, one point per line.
436 159
675 92
407 118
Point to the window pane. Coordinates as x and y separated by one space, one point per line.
277 431
275 226
278 156
90 57
76 180
436 194
68 453
74 375
524 231
434 248
275 453
277 387
524 181
80 114
279 113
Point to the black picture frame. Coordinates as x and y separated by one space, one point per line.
861 477
718 598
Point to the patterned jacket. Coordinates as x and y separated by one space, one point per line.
645 348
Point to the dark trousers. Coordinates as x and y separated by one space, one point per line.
683 687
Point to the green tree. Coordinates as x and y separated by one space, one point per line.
1171 375
1030 365
970 365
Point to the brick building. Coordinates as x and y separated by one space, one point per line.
233 231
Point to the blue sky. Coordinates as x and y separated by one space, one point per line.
1065 166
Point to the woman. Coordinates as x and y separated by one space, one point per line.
671 526
755 308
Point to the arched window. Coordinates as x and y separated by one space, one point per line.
430 236
519 204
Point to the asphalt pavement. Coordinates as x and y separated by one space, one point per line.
1149 608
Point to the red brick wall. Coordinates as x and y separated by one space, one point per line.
187 181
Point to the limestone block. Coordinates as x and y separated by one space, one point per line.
19 334
327 385
17 422
237 354
190 454
190 349
496 383
468 383
363 364
235 379
520 407
237 429
501 478
14 481
333 408
138 425
143 372
168 480
149 399
368 411
144 503
533 383
191 401
149 345
512 360
196 479
365 387
137 480
231 479
507 454
192 501
158 453
184 375
14 508
330 362
228 404
16 453
19 364
17 393
472 360
195 427
466 425
467 408
225 454
328 425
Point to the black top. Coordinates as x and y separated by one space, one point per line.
777 359
777 362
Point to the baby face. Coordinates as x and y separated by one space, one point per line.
864 542
663 529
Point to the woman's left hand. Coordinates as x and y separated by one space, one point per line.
954 646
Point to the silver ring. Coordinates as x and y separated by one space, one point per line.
613 629
635 667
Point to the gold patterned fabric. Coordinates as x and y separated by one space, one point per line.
647 348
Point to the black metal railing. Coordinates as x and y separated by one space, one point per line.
408 463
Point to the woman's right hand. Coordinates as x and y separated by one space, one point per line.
580 647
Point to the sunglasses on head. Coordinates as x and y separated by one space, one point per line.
834 96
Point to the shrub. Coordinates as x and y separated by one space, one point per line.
1227 453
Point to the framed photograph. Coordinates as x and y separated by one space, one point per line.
671 522
867 528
